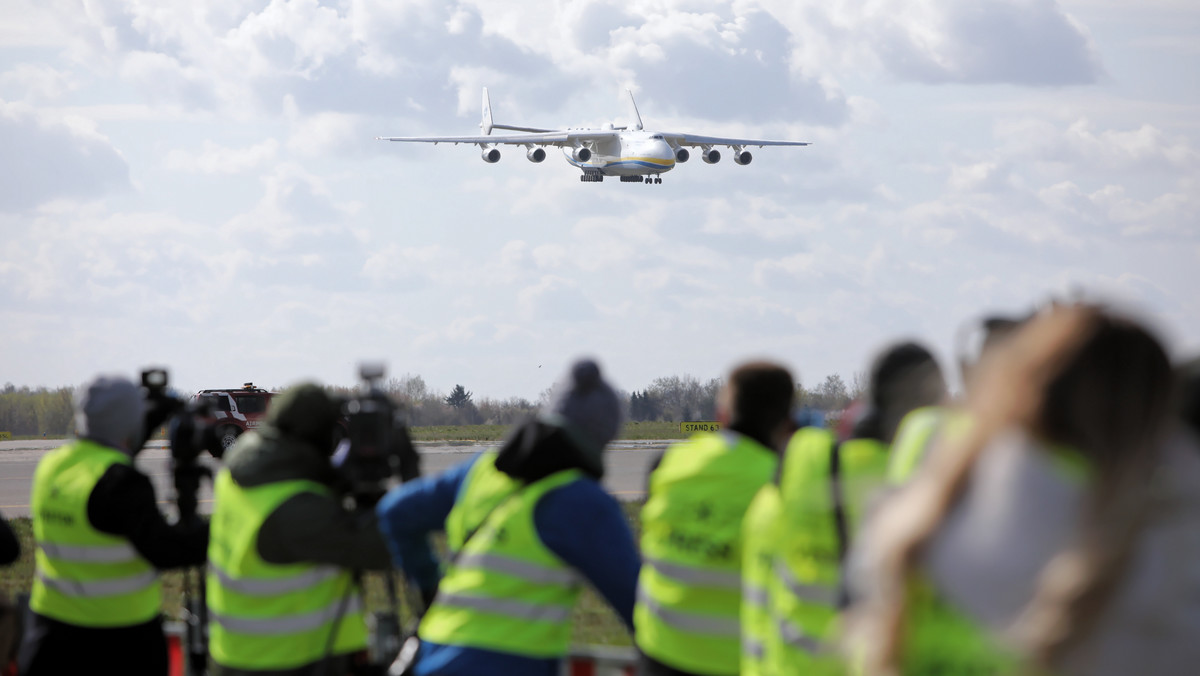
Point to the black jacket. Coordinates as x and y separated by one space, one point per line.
123 504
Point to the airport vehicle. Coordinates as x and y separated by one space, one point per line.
236 410
635 155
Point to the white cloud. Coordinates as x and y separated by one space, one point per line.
215 159
283 224
555 299
50 158
39 81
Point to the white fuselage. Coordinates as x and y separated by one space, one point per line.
632 153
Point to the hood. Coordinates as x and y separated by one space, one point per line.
264 456
536 449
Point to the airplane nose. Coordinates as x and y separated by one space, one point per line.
664 151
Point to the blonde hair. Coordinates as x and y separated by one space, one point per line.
1075 376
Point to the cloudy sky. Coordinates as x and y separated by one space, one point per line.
198 185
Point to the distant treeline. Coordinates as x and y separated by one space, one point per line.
670 398
26 412
34 412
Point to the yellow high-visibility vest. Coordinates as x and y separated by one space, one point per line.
85 577
262 615
504 589
690 586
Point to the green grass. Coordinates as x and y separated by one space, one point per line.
593 621
459 432
660 431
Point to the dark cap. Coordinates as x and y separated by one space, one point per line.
587 408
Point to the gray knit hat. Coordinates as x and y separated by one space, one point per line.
587 408
110 410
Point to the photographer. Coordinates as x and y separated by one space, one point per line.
281 594
526 525
100 539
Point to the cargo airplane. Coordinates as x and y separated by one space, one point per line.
635 155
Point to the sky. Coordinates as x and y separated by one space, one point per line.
198 185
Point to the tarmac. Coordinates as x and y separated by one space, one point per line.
625 472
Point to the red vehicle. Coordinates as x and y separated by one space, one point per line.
237 410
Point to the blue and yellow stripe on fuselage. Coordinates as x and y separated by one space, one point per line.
626 165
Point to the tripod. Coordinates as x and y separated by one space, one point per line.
187 476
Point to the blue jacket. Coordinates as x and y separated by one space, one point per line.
579 522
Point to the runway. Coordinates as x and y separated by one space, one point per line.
625 468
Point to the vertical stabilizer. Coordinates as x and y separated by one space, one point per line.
635 110
486 123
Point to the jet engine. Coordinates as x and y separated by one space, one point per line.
536 154
682 155
711 156
491 155
581 154
743 157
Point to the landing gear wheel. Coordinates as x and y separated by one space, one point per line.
658 180
227 435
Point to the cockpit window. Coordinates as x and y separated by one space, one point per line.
657 137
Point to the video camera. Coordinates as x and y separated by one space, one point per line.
377 449
190 434
189 429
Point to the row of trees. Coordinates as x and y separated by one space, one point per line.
36 412
670 398
27 412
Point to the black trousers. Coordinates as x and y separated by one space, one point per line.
51 647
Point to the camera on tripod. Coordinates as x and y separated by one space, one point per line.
189 428
378 448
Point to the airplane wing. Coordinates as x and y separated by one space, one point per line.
697 140
552 138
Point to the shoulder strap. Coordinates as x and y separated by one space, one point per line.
486 517
837 499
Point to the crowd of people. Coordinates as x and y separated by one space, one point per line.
1046 520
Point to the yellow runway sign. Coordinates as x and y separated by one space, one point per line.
700 426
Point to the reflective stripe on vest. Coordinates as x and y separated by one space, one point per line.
755 596
700 577
287 624
83 576
795 637
519 610
689 603
100 588
809 593
121 553
265 616
503 590
692 623
271 586
753 649
526 570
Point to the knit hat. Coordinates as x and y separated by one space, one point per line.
307 413
586 408
110 410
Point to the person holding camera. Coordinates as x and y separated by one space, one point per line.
526 526
101 541
282 593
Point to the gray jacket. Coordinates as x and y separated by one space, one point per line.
1019 509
